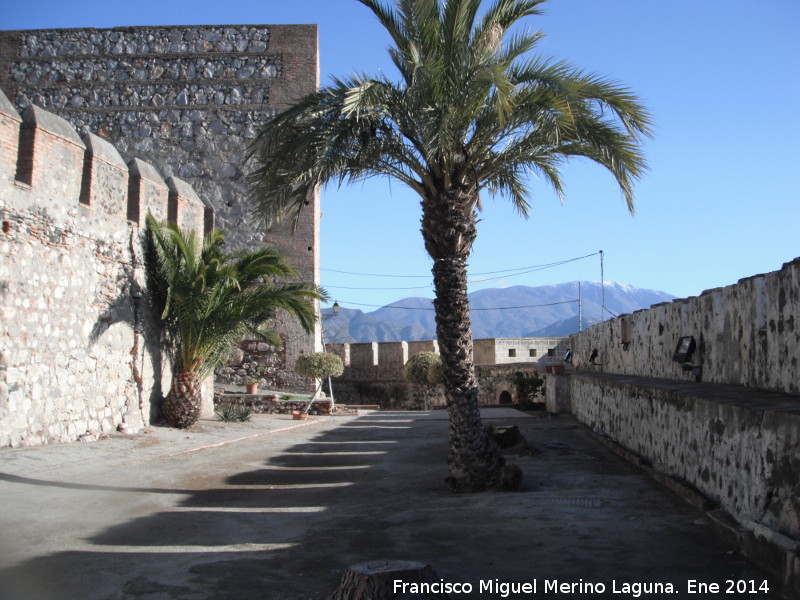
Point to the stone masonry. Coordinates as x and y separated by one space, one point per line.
190 99
723 420
374 371
80 351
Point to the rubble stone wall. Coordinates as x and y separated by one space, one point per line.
190 99
745 334
79 345
724 419
374 375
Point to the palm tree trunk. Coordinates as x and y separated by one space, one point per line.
181 407
474 461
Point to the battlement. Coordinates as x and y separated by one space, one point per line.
188 100
390 357
44 162
79 348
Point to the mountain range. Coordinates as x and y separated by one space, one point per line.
518 311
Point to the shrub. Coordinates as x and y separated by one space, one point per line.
243 414
424 369
529 387
319 365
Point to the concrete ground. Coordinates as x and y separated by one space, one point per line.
277 509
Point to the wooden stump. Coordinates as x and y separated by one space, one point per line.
376 581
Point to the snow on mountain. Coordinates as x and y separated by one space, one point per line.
516 311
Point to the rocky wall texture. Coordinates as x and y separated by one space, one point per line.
263 363
190 99
80 351
738 447
744 334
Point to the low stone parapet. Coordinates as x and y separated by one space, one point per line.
271 403
738 447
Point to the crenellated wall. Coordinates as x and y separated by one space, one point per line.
79 346
189 99
374 371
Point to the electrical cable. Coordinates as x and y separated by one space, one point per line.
524 271
471 309
552 264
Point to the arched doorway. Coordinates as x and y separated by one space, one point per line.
505 397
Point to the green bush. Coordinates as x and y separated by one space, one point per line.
424 369
319 365
529 387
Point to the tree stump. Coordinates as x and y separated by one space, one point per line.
376 581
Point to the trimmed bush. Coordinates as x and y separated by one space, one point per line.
424 369
319 365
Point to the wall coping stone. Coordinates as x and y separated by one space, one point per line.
146 171
7 108
182 188
36 117
724 393
104 150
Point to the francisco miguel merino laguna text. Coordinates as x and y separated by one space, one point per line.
548 586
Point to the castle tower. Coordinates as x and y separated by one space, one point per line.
188 99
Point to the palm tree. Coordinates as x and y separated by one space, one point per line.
209 300
472 112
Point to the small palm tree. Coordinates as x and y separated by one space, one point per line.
472 112
210 299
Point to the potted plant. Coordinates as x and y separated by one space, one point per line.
252 382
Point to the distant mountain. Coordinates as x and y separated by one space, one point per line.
519 311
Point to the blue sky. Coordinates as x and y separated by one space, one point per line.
721 200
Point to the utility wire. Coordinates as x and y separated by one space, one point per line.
529 269
542 266
471 309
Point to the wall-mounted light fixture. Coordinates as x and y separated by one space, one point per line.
625 332
684 350
683 354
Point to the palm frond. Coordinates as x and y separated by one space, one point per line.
210 299
473 107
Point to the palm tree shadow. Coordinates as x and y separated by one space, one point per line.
135 308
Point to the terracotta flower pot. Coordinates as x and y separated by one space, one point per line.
252 388
299 415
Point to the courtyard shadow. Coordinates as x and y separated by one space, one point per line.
372 489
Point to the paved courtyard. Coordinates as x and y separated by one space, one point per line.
277 509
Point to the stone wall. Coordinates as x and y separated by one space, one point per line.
191 100
723 420
739 447
745 334
374 373
79 347
542 351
